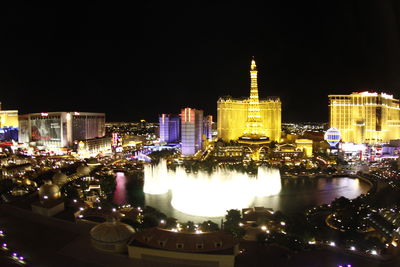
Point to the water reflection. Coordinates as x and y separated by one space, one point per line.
120 189
294 196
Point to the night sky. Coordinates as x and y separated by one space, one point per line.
134 62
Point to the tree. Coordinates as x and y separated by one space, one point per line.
231 224
149 221
209 226
5 185
188 227
341 203
108 184
170 223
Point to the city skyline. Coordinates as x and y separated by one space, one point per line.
111 59
227 135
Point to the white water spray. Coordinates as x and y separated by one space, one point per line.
205 194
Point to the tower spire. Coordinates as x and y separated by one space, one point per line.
254 124
253 64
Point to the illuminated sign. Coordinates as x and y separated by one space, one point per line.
116 140
46 129
332 136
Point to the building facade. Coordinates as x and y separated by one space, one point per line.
9 118
191 130
169 128
159 247
365 117
92 147
208 126
8 125
233 114
60 129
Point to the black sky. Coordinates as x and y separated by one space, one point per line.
134 62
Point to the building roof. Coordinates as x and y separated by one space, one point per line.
185 242
59 178
59 112
112 232
49 191
83 170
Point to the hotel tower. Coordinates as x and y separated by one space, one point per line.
365 117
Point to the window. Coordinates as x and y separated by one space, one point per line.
161 243
218 244
179 245
199 245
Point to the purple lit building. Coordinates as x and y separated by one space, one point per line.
192 130
169 128
207 128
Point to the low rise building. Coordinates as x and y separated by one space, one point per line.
160 246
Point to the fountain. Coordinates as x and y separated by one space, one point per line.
204 194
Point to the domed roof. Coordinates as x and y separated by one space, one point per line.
93 161
49 191
59 178
83 170
112 232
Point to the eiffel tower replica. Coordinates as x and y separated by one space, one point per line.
254 134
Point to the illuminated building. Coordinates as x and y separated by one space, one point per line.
169 128
60 129
191 130
233 115
286 152
92 147
8 125
207 128
8 134
306 146
229 152
9 118
365 117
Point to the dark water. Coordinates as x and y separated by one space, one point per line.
296 195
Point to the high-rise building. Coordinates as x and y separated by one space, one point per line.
207 127
60 129
191 130
237 117
365 117
169 128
